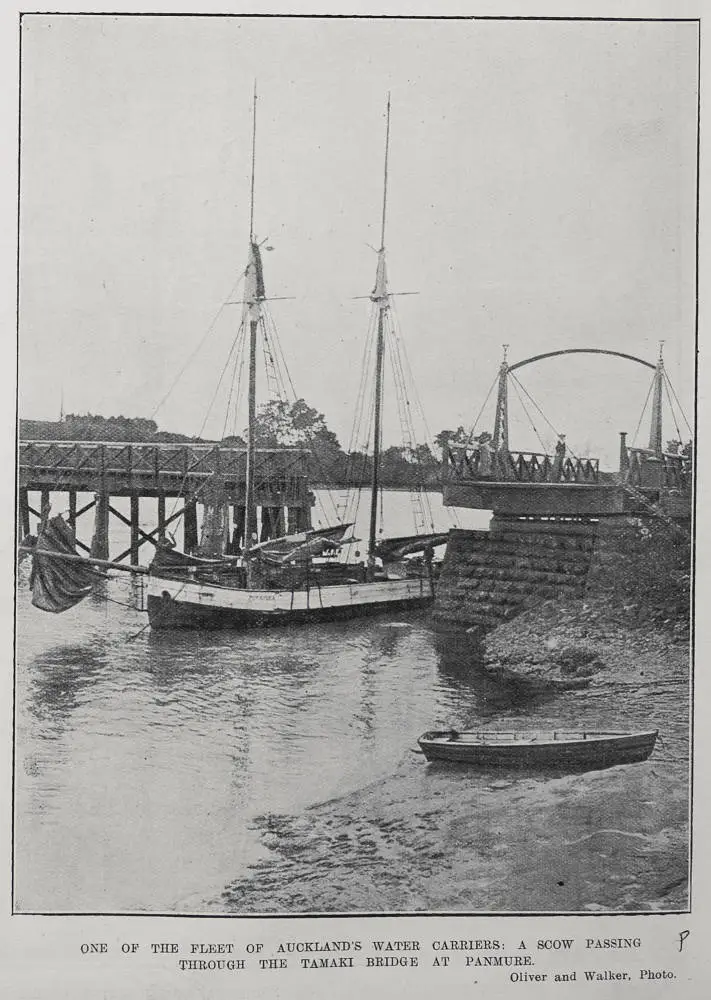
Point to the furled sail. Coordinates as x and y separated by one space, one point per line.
58 584
302 545
392 549
169 558
308 549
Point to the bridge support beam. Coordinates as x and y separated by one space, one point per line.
238 519
24 513
72 517
190 526
100 540
297 519
161 516
44 506
134 528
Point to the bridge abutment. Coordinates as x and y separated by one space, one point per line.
489 577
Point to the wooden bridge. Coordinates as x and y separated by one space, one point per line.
192 473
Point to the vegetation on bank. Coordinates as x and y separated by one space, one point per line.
646 578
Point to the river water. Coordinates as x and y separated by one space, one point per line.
156 772
142 758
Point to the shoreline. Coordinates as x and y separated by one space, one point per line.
447 838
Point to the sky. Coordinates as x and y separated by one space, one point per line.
542 193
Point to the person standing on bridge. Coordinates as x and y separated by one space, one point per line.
559 458
485 454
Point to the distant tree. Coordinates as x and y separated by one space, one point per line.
297 425
445 437
91 427
234 441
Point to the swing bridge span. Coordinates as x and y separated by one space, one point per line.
489 475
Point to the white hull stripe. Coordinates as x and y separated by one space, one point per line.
341 596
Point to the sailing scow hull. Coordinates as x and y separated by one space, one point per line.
174 604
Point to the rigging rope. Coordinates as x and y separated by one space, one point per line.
681 409
274 363
238 356
478 416
351 498
644 408
420 501
408 377
671 410
207 415
207 333
515 379
530 419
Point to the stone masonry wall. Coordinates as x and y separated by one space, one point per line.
489 577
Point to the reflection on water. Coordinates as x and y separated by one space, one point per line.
59 677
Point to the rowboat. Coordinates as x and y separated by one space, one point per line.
538 749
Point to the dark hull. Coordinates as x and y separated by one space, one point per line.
576 754
164 614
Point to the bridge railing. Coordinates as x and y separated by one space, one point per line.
153 462
649 471
472 463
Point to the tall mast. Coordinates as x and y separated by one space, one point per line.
380 297
254 292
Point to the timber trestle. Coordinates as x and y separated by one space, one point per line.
187 475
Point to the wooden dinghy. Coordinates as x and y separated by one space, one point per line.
538 749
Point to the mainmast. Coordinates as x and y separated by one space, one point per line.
380 297
253 296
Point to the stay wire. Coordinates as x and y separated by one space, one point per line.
422 512
408 378
528 394
238 355
644 410
671 410
207 416
528 415
681 408
207 333
351 499
470 436
274 355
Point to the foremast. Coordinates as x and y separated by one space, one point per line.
253 297
380 296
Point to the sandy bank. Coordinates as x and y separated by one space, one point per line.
439 838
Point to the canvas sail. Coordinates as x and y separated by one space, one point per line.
392 549
302 545
58 584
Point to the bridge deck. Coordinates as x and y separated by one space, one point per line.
530 483
122 469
